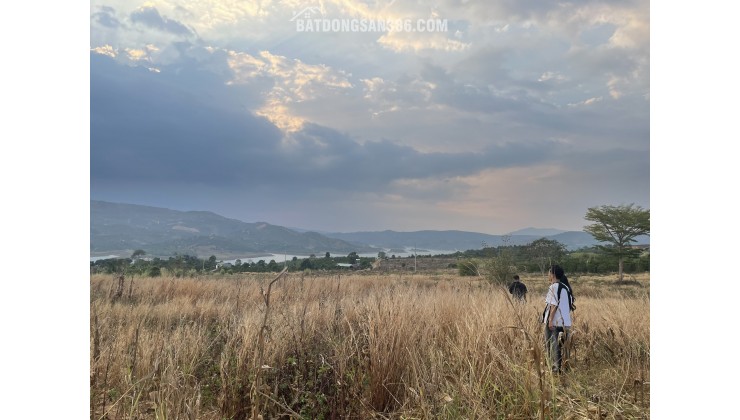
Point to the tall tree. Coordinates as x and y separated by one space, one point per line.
211 263
545 252
618 226
500 268
352 256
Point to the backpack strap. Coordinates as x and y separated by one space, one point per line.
569 294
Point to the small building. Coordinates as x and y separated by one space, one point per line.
350 266
644 247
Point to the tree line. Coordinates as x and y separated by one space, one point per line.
537 256
531 258
186 265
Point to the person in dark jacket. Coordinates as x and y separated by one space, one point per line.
518 289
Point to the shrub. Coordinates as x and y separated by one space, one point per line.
468 268
500 269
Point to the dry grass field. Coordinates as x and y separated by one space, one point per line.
361 345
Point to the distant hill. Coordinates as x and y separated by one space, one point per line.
121 228
447 240
454 240
540 232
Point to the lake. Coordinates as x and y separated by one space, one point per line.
408 252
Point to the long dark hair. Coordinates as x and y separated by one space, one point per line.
560 275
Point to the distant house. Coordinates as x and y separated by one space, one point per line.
641 246
224 265
350 266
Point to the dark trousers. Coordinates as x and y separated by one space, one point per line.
554 347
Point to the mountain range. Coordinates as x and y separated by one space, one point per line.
121 228
455 240
117 228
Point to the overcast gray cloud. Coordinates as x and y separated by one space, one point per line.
105 16
149 16
481 127
146 125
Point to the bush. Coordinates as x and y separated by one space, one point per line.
468 268
500 269
154 272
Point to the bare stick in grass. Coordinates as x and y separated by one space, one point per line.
96 358
131 287
257 383
119 290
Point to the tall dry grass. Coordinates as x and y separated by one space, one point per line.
361 346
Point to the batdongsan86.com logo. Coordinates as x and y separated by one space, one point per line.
313 19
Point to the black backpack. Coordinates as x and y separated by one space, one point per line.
571 298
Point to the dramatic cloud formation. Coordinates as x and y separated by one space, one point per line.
518 113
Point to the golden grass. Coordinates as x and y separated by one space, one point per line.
362 346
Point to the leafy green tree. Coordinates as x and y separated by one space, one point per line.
138 253
381 255
113 265
352 256
306 264
211 263
545 252
618 226
293 264
500 269
327 255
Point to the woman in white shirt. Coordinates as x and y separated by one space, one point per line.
557 315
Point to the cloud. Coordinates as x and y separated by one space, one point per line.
589 101
292 81
148 127
549 75
106 16
105 50
435 39
390 96
149 16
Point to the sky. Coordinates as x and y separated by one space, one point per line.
500 115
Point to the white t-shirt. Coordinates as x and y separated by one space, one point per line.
562 314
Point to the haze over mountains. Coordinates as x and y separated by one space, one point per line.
121 228
117 228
